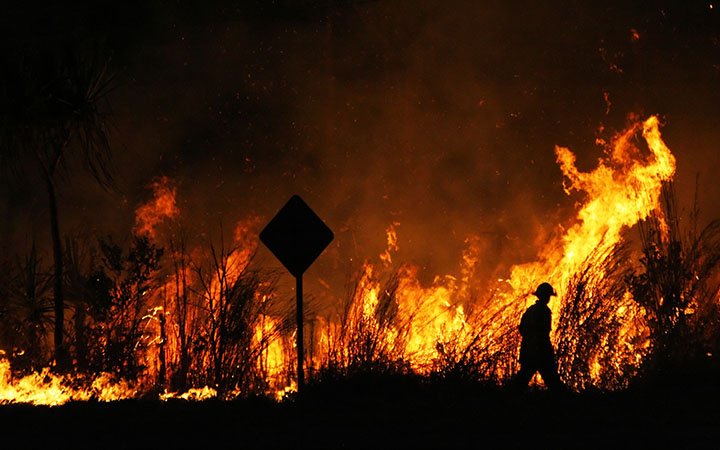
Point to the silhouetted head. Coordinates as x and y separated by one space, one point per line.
544 292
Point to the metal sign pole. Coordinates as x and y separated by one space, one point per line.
299 334
296 236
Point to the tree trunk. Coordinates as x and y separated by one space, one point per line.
181 310
60 354
80 342
163 338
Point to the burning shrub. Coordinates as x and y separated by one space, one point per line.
599 338
231 300
117 295
485 348
678 285
369 336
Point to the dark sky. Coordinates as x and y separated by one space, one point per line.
439 115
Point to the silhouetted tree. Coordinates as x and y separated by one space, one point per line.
80 264
52 96
181 309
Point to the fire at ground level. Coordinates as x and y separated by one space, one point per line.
391 412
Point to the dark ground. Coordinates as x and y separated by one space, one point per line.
388 412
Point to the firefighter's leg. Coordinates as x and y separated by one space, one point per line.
548 372
525 374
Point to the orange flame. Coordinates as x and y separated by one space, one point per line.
160 208
45 388
392 243
623 189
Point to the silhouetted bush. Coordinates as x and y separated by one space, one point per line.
26 311
678 286
486 348
117 295
369 336
597 342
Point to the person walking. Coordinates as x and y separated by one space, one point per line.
536 351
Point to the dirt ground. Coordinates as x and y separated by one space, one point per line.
390 412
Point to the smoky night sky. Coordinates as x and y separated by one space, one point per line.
439 115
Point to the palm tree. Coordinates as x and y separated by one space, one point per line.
31 305
52 110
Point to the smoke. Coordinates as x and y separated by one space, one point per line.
440 116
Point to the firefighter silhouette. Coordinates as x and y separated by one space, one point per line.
536 351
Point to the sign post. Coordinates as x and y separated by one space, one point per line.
297 236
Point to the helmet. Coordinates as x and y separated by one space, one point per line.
544 290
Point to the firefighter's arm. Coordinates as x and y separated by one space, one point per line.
547 322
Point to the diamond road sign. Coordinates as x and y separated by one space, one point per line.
296 236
